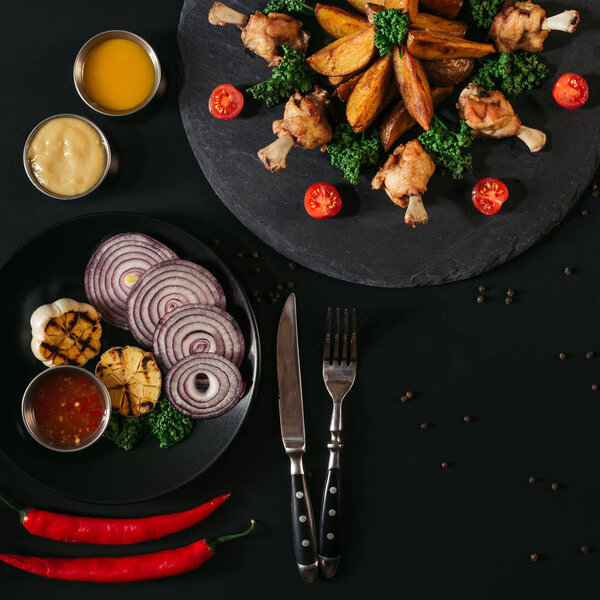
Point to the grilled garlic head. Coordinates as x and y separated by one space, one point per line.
65 332
132 378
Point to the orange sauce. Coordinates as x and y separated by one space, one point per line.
68 408
118 74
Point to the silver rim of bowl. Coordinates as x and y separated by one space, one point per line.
33 178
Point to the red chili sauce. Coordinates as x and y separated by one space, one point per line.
68 408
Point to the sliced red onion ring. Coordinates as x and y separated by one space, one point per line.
220 376
115 268
195 328
162 289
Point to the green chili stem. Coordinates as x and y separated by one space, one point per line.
22 511
212 544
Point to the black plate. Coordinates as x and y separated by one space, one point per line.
51 266
369 242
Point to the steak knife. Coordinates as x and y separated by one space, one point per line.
291 417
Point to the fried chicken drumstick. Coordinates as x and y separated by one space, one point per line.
490 115
524 26
404 177
305 124
263 34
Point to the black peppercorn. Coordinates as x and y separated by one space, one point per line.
568 270
480 299
239 254
554 486
589 355
409 395
531 479
403 398
562 356
585 549
533 557
594 387
424 425
467 419
255 254
481 288
508 300
510 292
444 464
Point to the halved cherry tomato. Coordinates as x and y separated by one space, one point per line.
571 90
225 102
489 195
322 201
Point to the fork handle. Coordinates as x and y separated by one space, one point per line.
329 529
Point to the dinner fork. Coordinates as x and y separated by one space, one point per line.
338 377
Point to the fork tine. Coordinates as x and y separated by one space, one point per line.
336 342
327 350
345 338
353 338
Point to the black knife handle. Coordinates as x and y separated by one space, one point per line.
303 528
329 529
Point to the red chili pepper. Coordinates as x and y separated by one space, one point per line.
94 530
140 567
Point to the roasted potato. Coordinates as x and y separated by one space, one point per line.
371 10
344 90
414 87
368 93
346 55
435 23
443 8
390 96
338 22
360 5
398 121
450 71
432 45
409 6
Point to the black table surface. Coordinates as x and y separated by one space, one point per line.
412 528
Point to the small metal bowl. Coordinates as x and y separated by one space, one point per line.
80 63
34 179
28 414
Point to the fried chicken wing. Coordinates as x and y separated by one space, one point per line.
305 124
263 34
490 115
524 26
404 177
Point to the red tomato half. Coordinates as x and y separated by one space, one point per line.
322 200
489 195
571 90
225 102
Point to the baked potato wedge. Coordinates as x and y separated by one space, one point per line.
346 55
398 121
360 5
435 23
368 94
414 86
338 22
433 45
409 6
443 8
391 95
344 90
371 10
449 71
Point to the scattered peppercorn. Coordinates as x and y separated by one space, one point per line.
467 419
595 186
589 355
531 479
255 254
568 270
585 549
290 284
273 300
444 464
481 288
258 300
510 292
585 212
279 286
533 557
255 293
409 395
216 242
508 300
292 266
554 486
562 356
596 193
403 398
239 254
594 387
424 425
270 294
480 299
257 271
277 295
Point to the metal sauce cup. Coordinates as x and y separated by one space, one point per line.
28 414
34 179
80 63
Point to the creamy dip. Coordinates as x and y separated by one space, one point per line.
67 156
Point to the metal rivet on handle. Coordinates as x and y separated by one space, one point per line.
302 518
305 543
330 536
299 495
333 490
332 512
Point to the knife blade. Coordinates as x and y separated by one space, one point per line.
291 419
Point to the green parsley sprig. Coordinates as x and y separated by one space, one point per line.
392 29
484 11
289 6
350 151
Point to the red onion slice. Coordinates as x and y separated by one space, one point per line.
162 289
221 376
115 268
195 328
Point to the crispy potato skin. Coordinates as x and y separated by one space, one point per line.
339 23
414 87
409 6
344 90
398 120
442 73
360 5
433 45
435 23
346 55
368 94
443 8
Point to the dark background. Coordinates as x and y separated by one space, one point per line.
412 527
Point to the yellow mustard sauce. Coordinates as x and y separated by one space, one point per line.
118 74
67 156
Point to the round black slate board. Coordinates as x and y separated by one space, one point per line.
51 266
369 242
